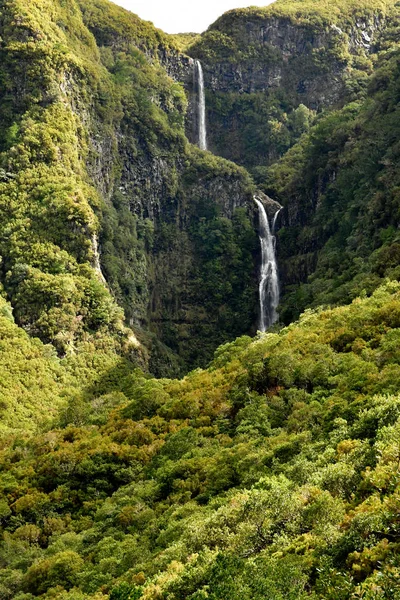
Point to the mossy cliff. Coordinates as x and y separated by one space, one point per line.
267 70
106 205
339 185
305 96
97 173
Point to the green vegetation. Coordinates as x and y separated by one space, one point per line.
342 182
48 206
266 63
36 384
184 40
268 128
92 149
32 380
304 12
273 473
110 24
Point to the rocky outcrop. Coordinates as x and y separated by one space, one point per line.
271 206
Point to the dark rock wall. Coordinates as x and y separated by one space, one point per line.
273 67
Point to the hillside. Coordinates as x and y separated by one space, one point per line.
273 473
339 185
305 96
96 173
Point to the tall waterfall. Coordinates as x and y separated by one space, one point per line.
269 281
201 106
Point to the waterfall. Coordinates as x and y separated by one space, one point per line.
201 106
96 258
269 281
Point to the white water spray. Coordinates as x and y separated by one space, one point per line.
269 281
201 106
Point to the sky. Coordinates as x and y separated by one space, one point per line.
181 16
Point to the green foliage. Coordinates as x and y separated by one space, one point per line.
125 592
32 382
268 128
48 208
108 21
99 184
306 12
341 183
275 472
184 40
59 570
272 474
272 67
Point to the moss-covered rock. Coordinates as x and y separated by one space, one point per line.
261 64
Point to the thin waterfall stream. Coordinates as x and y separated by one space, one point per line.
269 280
201 106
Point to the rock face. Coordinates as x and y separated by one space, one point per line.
134 209
178 245
119 205
179 204
259 66
306 62
173 207
271 206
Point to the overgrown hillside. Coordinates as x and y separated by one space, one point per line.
105 205
340 187
275 473
97 175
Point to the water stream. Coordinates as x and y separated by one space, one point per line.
201 106
269 280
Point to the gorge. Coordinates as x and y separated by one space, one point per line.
162 435
269 280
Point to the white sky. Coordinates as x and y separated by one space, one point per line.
180 16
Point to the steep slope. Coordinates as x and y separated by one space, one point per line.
272 474
49 208
94 158
36 385
340 190
268 69
33 383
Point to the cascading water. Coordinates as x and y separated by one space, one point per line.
96 257
269 282
201 106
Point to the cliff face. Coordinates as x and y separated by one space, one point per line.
270 74
166 197
104 202
306 61
339 229
101 119
260 65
